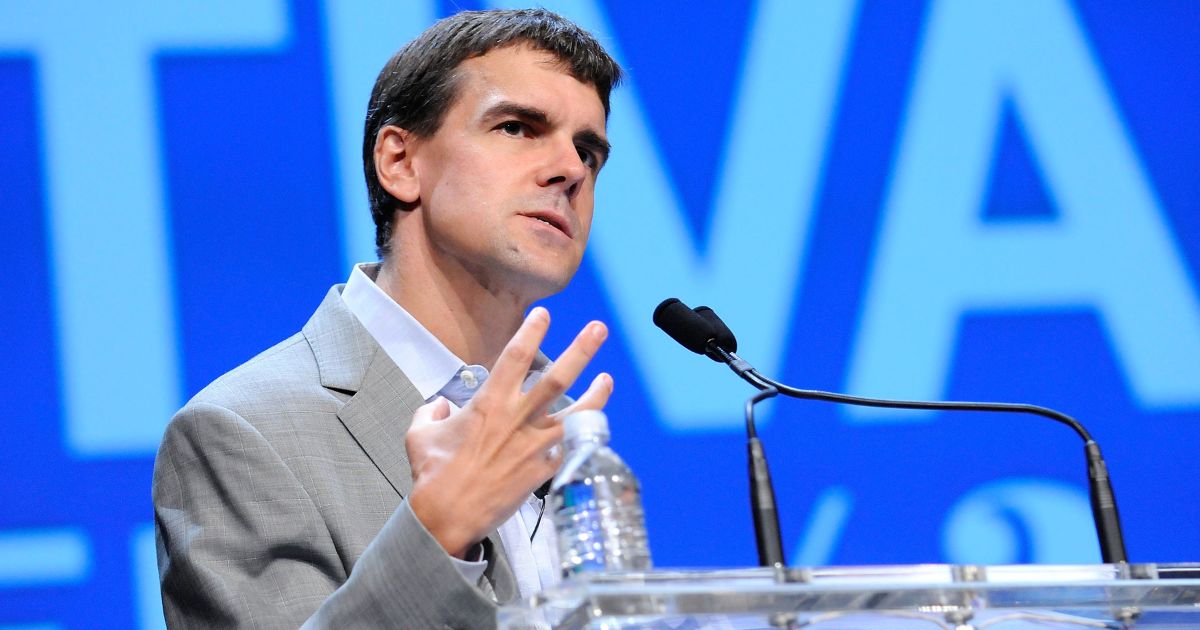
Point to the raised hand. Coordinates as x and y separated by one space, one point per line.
473 468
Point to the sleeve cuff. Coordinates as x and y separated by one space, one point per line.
473 568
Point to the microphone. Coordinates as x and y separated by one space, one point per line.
690 329
702 332
1103 501
541 491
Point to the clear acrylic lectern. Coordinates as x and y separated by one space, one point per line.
966 597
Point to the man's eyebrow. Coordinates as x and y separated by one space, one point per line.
516 110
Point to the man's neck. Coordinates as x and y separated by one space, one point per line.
471 321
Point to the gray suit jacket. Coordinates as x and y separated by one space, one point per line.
279 497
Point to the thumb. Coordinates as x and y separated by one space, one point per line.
434 411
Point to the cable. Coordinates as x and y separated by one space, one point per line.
752 376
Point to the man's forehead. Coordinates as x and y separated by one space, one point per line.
522 74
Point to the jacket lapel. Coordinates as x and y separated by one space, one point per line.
382 398
378 416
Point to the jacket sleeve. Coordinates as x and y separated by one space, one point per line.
242 544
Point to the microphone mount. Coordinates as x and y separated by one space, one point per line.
1103 500
703 332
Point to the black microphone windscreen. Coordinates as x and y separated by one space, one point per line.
724 338
683 325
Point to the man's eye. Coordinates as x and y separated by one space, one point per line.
513 128
588 158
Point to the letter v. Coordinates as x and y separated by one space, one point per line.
764 204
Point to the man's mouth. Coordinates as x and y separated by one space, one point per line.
554 220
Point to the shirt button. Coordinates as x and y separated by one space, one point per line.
468 379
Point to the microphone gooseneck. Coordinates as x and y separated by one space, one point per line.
721 347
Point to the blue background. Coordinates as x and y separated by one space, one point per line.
252 229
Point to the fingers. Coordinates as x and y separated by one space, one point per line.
513 363
567 367
595 397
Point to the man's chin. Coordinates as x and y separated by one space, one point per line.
536 283
541 287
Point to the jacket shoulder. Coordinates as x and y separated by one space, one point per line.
284 379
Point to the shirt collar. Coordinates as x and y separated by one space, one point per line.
423 359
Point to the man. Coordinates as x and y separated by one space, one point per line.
376 469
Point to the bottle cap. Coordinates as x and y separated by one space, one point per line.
585 422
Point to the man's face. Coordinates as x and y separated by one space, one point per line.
507 181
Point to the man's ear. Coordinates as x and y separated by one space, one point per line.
394 164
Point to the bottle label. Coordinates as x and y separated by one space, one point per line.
579 500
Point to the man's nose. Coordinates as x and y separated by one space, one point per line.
564 168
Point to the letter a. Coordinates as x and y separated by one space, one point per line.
1109 248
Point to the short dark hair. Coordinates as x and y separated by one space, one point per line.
419 84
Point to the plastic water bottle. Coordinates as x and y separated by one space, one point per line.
596 502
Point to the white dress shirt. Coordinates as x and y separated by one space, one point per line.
435 371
